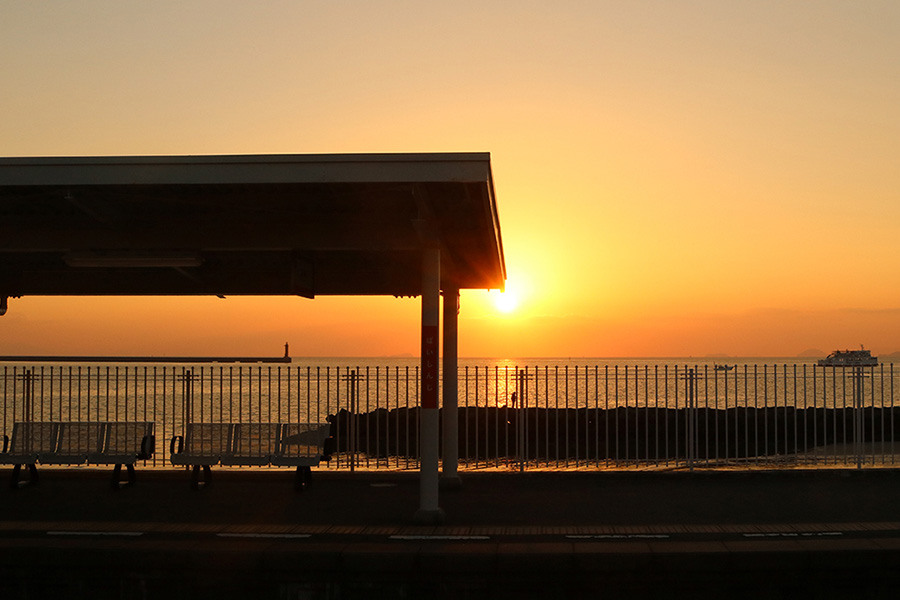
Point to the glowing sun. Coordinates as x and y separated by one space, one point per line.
512 299
506 302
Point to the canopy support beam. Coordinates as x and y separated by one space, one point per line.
450 464
429 416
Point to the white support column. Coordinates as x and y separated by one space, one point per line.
450 464
429 418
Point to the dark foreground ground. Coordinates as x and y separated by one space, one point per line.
827 534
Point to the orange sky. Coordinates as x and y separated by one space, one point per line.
674 179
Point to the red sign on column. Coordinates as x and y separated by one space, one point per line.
430 371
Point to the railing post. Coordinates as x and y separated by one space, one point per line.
858 424
28 394
691 424
187 396
352 377
518 406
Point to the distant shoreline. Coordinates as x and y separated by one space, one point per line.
149 359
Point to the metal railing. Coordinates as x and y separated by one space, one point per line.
561 417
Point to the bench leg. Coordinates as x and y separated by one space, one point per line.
303 478
117 477
195 476
32 476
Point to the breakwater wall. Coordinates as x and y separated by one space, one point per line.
622 433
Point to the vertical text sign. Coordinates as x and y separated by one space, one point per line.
430 370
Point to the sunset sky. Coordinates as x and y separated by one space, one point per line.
673 178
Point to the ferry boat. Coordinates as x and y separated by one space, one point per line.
849 358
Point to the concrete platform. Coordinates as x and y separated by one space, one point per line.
823 534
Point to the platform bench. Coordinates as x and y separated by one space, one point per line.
300 445
75 443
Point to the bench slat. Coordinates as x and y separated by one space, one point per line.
76 441
254 444
125 443
30 440
302 444
205 444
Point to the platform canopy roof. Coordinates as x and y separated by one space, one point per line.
307 225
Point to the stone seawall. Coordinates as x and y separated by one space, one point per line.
622 433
